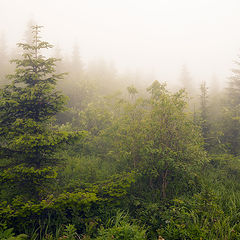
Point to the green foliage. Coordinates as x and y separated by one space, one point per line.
7 234
230 124
231 120
94 118
80 170
148 214
86 205
204 114
28 138
156 137
199 218
122 229
70 232
27 178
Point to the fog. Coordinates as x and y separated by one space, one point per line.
156 37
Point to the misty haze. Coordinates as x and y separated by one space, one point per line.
119 120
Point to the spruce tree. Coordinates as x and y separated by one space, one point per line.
204 111
231 117
28 137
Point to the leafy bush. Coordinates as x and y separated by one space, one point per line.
198 218
7 234
122 229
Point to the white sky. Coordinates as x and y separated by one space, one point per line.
150 35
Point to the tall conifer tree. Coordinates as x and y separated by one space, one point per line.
231 118
28 137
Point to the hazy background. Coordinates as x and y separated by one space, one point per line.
154 36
